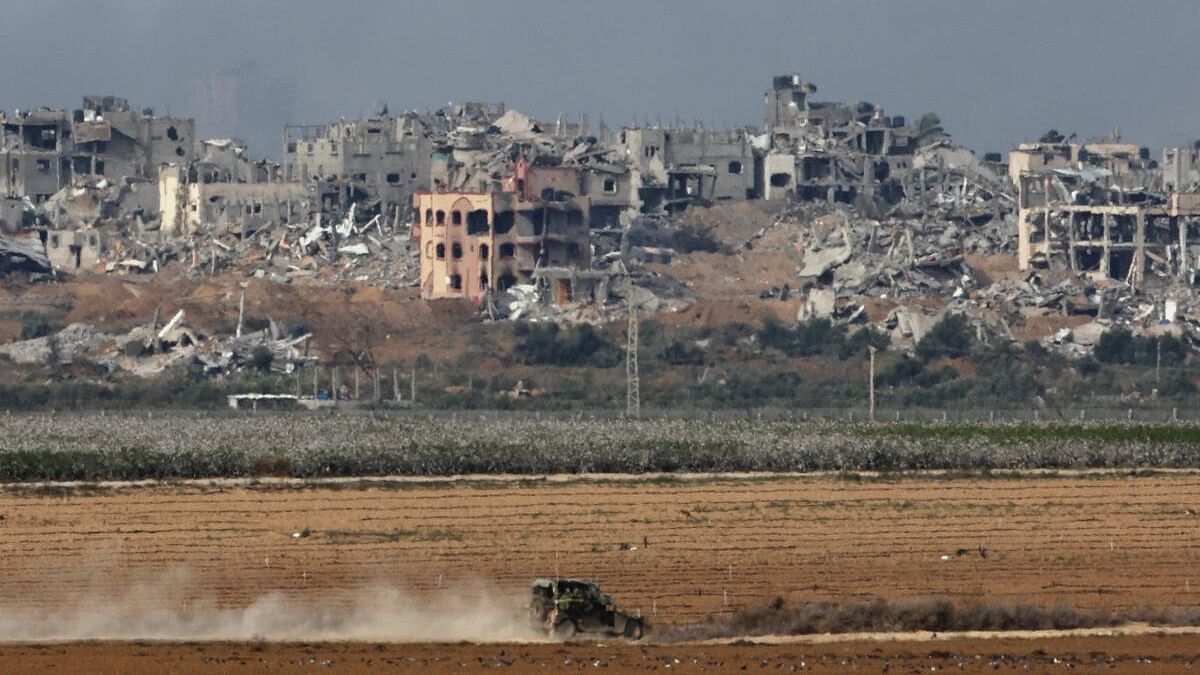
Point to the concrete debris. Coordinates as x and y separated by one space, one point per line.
148 350
23 254
885 218
61 348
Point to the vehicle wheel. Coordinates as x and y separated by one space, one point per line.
633 628
566 629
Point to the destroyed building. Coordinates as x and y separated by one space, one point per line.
44 149
674 167
1181 169
76 249
224 189
1087 220
472 242
380 161
1127 163
833 152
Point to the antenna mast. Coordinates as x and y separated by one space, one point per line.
633 396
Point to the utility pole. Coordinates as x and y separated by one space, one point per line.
871 351
241 313
633 396
1157 358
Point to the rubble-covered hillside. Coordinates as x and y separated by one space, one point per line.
430 241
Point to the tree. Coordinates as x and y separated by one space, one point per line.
951 337
815 336
1115 346
929 123
1001 373
547 344
261 359
863 338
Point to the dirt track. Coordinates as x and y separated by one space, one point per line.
1142 654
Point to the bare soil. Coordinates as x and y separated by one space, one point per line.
675 551
1131 654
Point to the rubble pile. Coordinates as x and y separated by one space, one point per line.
647 292
149 349
371 252
896 258
23 254
63 347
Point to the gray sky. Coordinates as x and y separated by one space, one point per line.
996 71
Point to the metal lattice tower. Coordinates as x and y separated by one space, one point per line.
633 395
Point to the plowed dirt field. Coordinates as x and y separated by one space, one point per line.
1112 655
113 563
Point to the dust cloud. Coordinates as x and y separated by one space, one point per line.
169 608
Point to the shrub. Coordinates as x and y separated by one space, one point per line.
36 325
1119 345
548 344
1002 374
863 338
682 354
951 337
261 359
1176 384
812 337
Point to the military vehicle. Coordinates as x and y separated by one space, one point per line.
565 608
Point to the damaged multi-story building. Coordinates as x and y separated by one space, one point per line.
43 149
532 227
674 167
378 162
832 151
1107 209
225 190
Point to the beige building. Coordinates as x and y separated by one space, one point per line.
473 242
1125 161
1110 235
188 203
76 250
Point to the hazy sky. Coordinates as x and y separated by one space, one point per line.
997 71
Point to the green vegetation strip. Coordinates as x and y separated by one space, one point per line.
130 447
